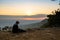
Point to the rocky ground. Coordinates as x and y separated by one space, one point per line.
35 34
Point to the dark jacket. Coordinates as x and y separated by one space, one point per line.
15 28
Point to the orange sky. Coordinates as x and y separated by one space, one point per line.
19 7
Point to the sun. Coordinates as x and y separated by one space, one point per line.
29 12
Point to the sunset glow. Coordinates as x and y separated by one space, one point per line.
29 12
32 18
27 7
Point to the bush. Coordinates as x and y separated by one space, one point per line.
54 20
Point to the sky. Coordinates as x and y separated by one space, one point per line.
27 7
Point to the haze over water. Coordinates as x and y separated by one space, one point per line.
24 20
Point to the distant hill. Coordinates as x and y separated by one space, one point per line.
36 25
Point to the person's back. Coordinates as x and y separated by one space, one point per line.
15 27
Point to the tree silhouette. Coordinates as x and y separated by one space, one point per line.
54 20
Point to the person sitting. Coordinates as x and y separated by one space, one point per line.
15 28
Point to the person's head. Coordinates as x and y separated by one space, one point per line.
17 22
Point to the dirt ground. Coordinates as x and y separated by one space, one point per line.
36 34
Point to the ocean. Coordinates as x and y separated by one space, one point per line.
10 20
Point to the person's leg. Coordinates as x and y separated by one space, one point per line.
20 30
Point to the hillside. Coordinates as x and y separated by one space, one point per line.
42 34
36 25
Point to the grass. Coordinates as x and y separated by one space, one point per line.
46 34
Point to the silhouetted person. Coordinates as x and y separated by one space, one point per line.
15 28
